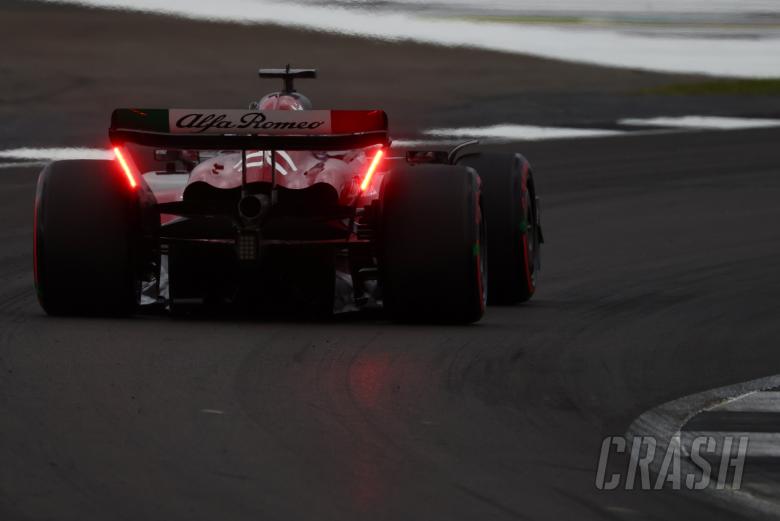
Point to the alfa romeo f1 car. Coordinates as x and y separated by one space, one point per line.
283 207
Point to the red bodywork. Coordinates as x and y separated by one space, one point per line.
344 171
355 174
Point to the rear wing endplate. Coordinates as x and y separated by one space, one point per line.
215 129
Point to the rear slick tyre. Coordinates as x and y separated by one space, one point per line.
514 232
433 264
86 240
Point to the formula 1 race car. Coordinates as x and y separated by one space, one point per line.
281 207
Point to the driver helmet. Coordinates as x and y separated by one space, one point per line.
282 101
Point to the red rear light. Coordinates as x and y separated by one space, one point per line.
125 167
371 169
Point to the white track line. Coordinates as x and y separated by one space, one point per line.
702 122
521 132
56 154
503 132
766 401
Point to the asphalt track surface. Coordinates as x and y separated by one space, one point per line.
659 280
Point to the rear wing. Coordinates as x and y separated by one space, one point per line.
214 129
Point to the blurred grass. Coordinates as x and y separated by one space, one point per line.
757 87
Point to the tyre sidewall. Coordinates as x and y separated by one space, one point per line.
86 240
